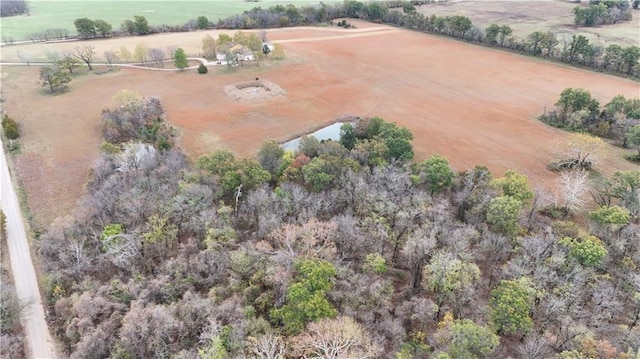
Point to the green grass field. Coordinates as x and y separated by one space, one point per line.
61 14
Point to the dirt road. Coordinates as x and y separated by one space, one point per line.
24 276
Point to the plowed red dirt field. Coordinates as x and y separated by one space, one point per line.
473 105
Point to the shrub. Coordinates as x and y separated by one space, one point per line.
10 128
202 69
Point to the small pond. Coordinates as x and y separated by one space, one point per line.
331 132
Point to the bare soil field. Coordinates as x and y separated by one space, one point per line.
472 104
525 17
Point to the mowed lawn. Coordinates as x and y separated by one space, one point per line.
61 14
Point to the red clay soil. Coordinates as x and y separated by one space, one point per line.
473 105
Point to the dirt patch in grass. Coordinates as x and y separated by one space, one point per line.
472 104
254 91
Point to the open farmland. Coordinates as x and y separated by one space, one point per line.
61 14
473 105
525 17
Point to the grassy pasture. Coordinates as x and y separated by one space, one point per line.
61 14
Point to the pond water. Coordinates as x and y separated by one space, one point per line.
331 132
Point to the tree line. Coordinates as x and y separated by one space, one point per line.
600 12
294 254
576 50
618 120
13 8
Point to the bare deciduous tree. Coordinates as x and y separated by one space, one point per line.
334 339
52 55
171 50
573 187
24 57
267 346
157 56
110 57
85 53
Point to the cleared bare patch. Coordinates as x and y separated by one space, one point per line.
254 91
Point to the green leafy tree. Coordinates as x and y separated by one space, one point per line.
270 158
534 42
515 185
68 62
110 235
54 78
231 172
318 174
180 59
214 349
352 8
579 45
202 69
587 250
398 141
491 33
619 105
103 28
466 339
503 214
141 25
613 57
436 173
128 27
447 276
505 32
589 16
633 138
510 305
549 42
630 57
10 128
85 27
266 49
348 136
611 216
202 22
573 100
460 25
306 299
375 10
374 263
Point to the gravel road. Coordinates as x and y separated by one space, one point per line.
24 275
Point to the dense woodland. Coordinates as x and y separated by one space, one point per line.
342 249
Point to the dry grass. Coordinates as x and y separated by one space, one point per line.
525 17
